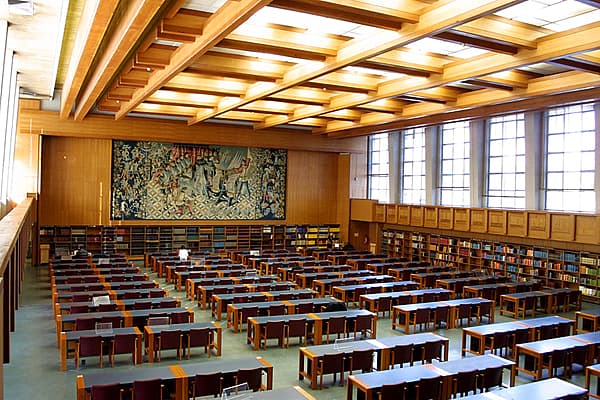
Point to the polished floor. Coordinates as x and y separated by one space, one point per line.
33 372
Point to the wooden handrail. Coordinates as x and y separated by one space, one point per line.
15 235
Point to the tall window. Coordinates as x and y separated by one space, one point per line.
379 168
455 165
413 166
570 165
506 162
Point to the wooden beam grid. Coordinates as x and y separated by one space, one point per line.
221 65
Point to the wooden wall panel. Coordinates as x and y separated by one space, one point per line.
587 229
497 222
516 224
479 217
312 188
430 216
562 227
362 209
76 184
538 223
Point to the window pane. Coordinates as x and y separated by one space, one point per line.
506 169
570 159
378 168
413 166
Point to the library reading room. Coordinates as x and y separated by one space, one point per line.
300 199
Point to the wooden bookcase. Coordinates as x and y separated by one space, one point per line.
135 240
557 267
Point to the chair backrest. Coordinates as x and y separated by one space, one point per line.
251 376
362 359
199 337
109 391
277 309
170 338
79 308
90 345
464 382
251 311
296 327
429 388
124 343
336 324
180 317
142 305
157 293
274 329
207 384
332 363
103 307
402 353
150 389
492 377
168 303
432 350
393 391
304 308
85 323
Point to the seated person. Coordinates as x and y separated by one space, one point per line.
183 253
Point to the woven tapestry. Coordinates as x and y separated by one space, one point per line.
152 180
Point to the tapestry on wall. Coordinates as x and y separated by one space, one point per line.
152 180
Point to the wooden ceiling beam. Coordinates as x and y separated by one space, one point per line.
228 17
368 13
436 18
578 64
93 25
556 84
564 44
476 41
137 15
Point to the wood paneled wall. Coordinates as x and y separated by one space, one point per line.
76 184
75 181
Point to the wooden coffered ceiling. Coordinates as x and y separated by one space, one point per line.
337 68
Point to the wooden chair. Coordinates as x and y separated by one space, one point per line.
88 346
123 343
169 339
330 363
296 327
401 354
199 337
206 385
273 329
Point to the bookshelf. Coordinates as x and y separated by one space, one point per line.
136 240
553 266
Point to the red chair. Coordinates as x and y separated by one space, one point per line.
251 376
361 360
180 317
330 363
296 327
85 324
107 307
169 339
393 391
273 330
337 326
111 391
88 346
199 337
123 343
79 309
150 389
142 305
206 385
277 309
304 308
